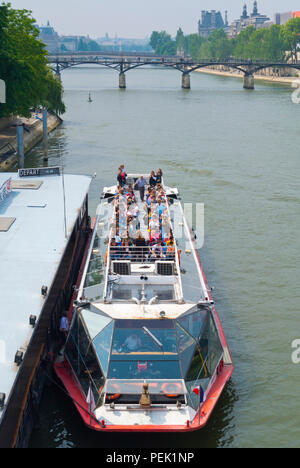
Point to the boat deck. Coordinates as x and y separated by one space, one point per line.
185 283
32 244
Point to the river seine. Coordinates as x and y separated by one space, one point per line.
237 152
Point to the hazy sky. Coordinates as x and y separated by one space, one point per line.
137 18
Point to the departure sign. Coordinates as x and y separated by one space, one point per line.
39 172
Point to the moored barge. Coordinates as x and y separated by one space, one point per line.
44 229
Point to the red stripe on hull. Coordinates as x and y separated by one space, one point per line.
65 374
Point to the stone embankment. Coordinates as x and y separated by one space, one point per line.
275 76
33 134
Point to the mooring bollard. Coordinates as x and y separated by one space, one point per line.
45 134
20 138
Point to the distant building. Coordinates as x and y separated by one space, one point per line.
283 18
210 21
49 37
71 43
255 19
295 14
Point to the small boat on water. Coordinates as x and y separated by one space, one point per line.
146 351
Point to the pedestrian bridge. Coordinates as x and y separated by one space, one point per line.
124 62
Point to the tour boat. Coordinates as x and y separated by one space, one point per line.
146 351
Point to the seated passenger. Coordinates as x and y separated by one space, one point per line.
126 249
132 343
140 240
158 250
115 250
130 193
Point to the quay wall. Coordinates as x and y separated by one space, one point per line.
280 76
33 134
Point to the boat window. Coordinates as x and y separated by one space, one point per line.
207 353
95 322
144 337
215 347
81 355
96 269
186 347
102 345
194 322
144 369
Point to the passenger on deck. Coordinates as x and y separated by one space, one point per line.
140 185
161 207
120 178
141 247
123 176
130 193
126 249
158 250
115 250
140 240
159 176
152 179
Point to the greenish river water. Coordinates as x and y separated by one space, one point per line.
237 152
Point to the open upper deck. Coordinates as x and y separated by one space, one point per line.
142 252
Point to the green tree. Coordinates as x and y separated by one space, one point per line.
162 43
220 47
194 45
291 35
274 44
24 65
180 40
241 43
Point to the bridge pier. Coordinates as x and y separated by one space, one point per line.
186 81
122 80
249 82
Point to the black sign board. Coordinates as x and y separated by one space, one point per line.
39 172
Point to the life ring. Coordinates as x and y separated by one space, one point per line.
106 257
166 386
115 396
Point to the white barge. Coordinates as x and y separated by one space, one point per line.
43 232
146 350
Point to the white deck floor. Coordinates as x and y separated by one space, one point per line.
30 253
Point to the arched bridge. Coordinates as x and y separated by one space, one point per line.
124 62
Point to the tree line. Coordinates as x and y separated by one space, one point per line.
30 83
277 43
